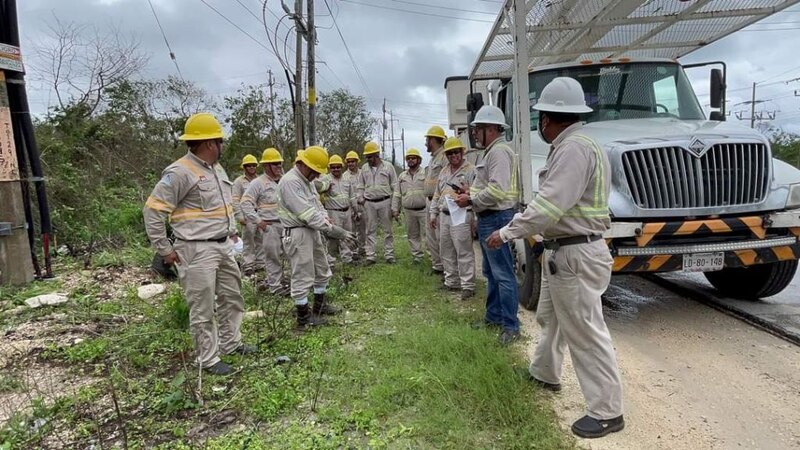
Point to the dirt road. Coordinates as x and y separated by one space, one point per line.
694 378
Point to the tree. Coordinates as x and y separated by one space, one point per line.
80 63
343 122
786 146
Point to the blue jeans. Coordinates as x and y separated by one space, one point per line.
502 301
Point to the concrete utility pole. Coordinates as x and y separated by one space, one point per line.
272 109
383 127
753 108
311 38
391 125
403 145
298 77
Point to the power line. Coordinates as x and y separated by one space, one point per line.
444 7
166 41
347 49
416 12
239 28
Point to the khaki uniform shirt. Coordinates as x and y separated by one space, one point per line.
195 198
260 201
298 203
378 182
495 185
573 193
337 193
465 174
438 161
240 185
412 189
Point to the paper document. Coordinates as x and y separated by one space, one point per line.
458 215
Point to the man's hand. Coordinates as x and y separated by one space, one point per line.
433 222
235 238
263 225
494 241
243 221
463 200
172 258
396 215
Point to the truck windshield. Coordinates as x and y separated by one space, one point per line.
626 91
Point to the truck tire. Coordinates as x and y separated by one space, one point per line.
754 282
529 278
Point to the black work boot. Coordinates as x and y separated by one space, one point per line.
323 307
589 427
305 318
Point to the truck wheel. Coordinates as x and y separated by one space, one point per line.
529 278
754 282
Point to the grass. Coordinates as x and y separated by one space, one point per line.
401 369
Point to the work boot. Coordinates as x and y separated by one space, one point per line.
391 261
484 324
244 349
220 368
322 307
467 294
507 337
305 318
525 374
369 262
589 427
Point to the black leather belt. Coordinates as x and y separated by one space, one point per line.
416 209
375 200
446 212
339 209
430 197
491 212
218 240
554 244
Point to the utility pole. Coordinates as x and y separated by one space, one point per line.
753 108
271 109
298 77
311 39
403 145
383 126
391 125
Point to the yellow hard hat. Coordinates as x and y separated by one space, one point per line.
299 156
335 159
316 159
413 152
436 131
202 127
271 155
352 155
372 148
248 159
453 143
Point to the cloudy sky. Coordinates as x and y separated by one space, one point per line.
404 50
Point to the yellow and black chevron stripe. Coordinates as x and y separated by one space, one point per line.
737 258
652 230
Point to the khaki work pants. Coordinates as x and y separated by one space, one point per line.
432 243
272 249
207 269
455 248
571 315
309 263
343 219
253 252
379 213
360 229
416 224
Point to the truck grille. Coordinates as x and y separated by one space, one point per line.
672 177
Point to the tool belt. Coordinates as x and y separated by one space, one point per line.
491 212
339 209
416 209
217 240
555 244
376 200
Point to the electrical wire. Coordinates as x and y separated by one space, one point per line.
166 41
421 13
239 28
444 7
347 49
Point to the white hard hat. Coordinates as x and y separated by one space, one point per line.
490 115
562 95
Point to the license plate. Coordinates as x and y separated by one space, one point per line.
703 262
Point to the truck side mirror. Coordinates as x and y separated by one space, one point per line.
474 102
717 88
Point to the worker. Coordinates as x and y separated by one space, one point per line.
434 142
359 221
376 185
260 206
303 220
571 212
411 189
455 240
194 194
493 197
253 255
338 201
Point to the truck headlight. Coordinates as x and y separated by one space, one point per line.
793 201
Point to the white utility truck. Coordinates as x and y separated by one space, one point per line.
689 193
